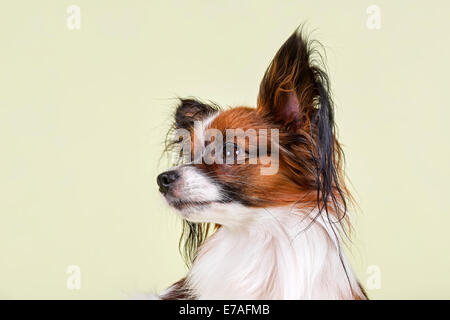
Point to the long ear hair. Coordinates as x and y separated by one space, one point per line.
192 237
187 111
295 95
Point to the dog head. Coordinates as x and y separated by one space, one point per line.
283 152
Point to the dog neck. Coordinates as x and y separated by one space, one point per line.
278 253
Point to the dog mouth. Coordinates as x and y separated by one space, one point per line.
188 204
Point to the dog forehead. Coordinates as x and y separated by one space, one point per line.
239 120
236 118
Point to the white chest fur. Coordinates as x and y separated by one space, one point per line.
273 255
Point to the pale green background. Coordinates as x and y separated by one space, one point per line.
83 115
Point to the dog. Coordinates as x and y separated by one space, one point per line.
255 234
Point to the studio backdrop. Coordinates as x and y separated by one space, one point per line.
88 91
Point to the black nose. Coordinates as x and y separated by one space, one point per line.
165 180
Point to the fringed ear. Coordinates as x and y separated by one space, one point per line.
192 237
186 113
191 110
288 89
294 95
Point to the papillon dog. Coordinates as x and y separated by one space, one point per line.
265 207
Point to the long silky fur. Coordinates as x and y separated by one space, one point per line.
188 110
316 134
311 84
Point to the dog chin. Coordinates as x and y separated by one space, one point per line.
185 206
189 208
223 213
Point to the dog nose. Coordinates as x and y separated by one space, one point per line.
165 180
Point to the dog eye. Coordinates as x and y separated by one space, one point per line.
232 151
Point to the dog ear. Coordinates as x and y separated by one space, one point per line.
294 94
289 89
191 110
